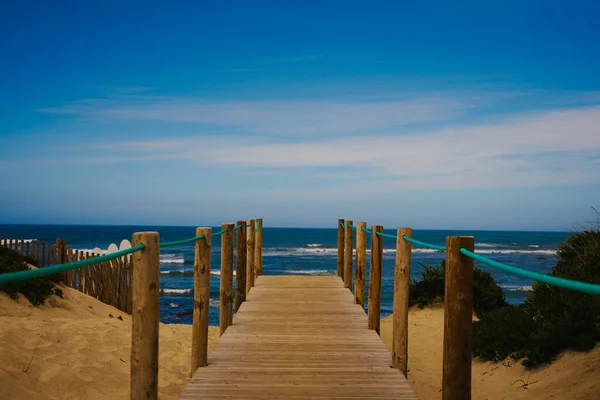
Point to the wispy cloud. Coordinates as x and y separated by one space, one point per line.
538 149
295 117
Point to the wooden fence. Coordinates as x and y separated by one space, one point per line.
109 282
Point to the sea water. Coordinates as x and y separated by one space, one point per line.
301 251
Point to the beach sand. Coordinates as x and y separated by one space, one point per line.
572 376
72 349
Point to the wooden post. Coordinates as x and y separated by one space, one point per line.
341 248
61 250
361 264
250 267
145 316
226 285
458 319
258 246
375 279
401 283
44 256
348 255
27 249
201 299
240 265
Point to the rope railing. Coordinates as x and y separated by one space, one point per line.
460 256
584 287
196 238
12 277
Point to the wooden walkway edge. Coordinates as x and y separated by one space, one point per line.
299 337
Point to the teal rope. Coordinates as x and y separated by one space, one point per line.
342 224
423 244
257 226
219 233
365 230
237 227
583 287
12 277
180 242
351 226
387 235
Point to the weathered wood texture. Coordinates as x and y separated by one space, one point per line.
109 282
258 246
226 281
299 338
348 248
401 284
145 317
458 319
374 305
250 250
341 248
201 298
240 265
361 264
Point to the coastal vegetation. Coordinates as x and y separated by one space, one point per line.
550 321
35 290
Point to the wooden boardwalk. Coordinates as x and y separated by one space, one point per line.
299 337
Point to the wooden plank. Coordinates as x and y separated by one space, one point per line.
299 338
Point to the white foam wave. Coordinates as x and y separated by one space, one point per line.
535 246
488 245
171 259
308 252
516 251
218 272
176 291
173 305
314 245
8 240
516 288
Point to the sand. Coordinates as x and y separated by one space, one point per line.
72 348
572 376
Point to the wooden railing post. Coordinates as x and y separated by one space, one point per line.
225 315
145 317
341 248
258 246
201 299
250 267
240 265
401 284
361 264
348 256
375 279
458 319
62 251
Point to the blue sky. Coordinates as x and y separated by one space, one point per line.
476 115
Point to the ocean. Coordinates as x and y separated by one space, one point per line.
302 251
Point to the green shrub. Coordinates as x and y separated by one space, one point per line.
35 290
552 319
499 333
429 289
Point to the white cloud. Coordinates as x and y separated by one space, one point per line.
293 117
543 149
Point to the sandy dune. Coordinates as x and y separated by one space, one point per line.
72 349
572 376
